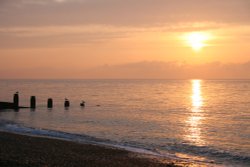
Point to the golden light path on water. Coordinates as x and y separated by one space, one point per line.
195 119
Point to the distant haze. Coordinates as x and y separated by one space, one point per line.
123 39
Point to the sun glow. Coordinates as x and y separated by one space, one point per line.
197 40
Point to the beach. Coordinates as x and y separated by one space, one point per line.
23 151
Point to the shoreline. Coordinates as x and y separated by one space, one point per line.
23 150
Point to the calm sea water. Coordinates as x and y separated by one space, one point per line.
196 120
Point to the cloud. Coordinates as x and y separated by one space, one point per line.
120 12
30 31
39 2
43 23
171 70
138 70
54 36
18 36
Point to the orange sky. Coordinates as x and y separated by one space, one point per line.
109 38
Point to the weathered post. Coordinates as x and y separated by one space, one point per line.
16 100
50 103
33 102
66 103
82 104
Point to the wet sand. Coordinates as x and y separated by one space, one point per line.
29 151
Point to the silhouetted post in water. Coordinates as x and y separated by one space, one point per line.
82 104
66 103
16 100
50 103
33 102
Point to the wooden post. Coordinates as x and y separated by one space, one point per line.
16 100
50 103
33 102
66 103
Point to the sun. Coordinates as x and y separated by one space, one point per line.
197 40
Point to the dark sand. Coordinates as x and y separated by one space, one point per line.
19 151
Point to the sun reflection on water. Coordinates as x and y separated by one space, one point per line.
194 121
196 95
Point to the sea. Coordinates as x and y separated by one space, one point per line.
199 121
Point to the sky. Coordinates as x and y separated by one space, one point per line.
81 39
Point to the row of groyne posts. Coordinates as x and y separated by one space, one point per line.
33 102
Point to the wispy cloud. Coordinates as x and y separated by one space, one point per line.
121 12
98 28
42 2
58 30
171 70
18 36
138 70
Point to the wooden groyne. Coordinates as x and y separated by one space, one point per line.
15 104
9 105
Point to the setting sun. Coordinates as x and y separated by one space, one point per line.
197 40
